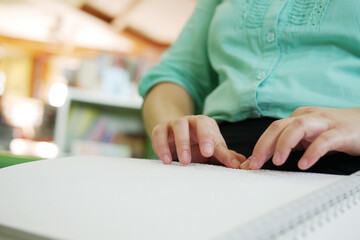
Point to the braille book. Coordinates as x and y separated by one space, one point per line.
90 197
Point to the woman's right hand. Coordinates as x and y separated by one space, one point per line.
194 138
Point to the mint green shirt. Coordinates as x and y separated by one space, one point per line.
243 59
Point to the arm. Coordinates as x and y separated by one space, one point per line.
166 101
176 89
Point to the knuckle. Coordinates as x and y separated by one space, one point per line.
325 139
300 122
161 148
276 125
305 110
202 117
178 122
213 121
324 114
157 131
299 110
206 135
182 143
220 144
205 118
310 109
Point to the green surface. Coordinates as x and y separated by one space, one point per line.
6 159
149 152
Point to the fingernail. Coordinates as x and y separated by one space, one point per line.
166 159
253 163
277 158
245 165
185 157
303 164
235 163
207 148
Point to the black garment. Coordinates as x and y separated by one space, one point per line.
242 137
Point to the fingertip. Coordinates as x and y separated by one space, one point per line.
240 157
303 164
254 164
235 164
226 156
277 159
245 165
185 158
166 159
207 149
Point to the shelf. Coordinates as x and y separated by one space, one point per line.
127 111
96 97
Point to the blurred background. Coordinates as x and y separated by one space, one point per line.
69 71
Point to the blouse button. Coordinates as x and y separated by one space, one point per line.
261 75
270 37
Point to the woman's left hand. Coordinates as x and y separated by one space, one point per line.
317 130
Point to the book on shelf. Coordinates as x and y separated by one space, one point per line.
85 147
104 131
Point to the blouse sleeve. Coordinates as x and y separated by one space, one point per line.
186 62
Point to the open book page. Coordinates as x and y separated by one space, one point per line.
343 226
114 198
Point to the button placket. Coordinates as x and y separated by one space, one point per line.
270 37
261 75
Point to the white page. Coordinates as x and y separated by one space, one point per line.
342 226
113 198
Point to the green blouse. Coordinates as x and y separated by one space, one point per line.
243 59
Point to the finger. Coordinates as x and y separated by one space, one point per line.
299 129
160 143
196 156
241 158
265 146
180 128
205 128
300 111
324 143
226 156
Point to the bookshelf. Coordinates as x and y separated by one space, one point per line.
91 122
51 40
